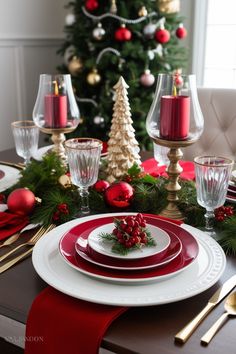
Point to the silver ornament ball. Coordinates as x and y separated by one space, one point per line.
98 120
147 79
149 30
99 32
70 19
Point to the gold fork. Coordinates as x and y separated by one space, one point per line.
31 241
15 260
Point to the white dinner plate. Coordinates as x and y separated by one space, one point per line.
200 276
11 176
38 154
161 238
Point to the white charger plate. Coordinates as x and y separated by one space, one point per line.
200 276
12 174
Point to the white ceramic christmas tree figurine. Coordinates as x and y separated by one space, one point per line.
123 149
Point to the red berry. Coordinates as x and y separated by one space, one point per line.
128 229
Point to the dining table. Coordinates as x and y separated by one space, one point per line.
140 329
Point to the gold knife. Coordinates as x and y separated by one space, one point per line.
186 332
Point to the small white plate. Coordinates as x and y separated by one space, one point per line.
161 238
11 176
38 155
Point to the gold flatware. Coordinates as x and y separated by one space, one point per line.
186 332
12 164
31 241
15 260
10 240
230 310
9 264
15 237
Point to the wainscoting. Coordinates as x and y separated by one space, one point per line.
21 63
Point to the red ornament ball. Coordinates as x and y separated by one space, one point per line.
162 35
21 201
101 185
119 195
181 32
123 34
91 5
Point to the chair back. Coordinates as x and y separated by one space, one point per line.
219 136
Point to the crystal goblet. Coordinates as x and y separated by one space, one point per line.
26 136
212 179
83 158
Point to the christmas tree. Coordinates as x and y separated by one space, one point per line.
123 149
108 39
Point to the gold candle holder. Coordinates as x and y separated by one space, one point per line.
58 138
173 170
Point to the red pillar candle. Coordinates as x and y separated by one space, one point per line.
174 117
55 111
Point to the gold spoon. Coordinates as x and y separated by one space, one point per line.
230 308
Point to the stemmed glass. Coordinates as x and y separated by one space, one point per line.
83 158
26 136
212 179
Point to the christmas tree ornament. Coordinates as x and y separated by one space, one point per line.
113 8
75 66
178 80
21 201
181 32
162 35
70 19
101 185
99 32
123 148
169 6
119 195
65 181
93 77
149 30
143 12
147 79
123 34
91 5
98 120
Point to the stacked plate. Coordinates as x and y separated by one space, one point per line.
75 260
83 249
231 193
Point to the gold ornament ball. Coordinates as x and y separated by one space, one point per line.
75 66
93 77
168 6
143 12
65 181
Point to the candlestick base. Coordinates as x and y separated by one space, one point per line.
173 170
58 138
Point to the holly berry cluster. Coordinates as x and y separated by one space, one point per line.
129 233
62 209
223 212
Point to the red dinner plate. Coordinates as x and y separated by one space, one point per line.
182 261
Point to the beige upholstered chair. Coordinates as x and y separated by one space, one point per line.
219 136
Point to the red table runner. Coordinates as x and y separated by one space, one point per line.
150 166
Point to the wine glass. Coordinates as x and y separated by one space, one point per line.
26 136
83 158
212 179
